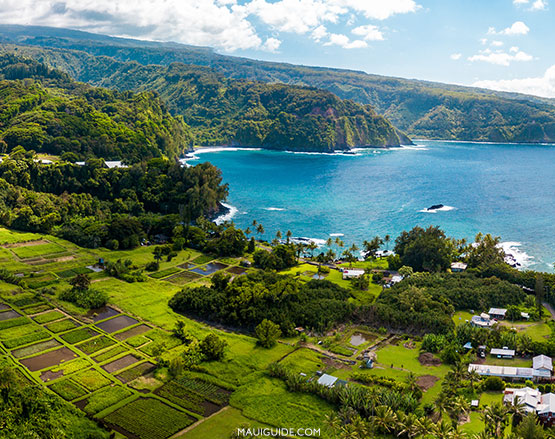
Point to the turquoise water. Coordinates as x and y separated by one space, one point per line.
503 189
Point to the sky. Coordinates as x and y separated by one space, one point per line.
499 44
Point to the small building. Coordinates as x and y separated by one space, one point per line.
458 267
327 380
526 396
368 364
475 403
395 279
505 372
352 273
114 164
543 367
546 410
497 313
468 346
80 163
525 315
503 353
482 321
43 161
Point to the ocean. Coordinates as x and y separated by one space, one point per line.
507 190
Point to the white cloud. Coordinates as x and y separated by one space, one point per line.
224 24
271 44
497 43
501 58
537 5
319 33
368 32
517 28
540 86
514 49
344 41
455 56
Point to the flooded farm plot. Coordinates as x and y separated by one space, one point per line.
237 270
358 338
7 315
35 348
48 359
135 372
210 268
102 313
3 306
117 323
120 363
137 330
187 266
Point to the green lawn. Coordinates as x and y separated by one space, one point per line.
403 358
461 317
35 251
304 360
11 236
221 425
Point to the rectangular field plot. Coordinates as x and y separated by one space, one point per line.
110 353
120 363
49 316
164 273
79 335
183 278
160 340
48 359
35 348
8 315
135 372
149 418
137 330
103 313
106 398
34 309
117 323
62 325
38 250
96 344
3 306
91 379
68 390
65 369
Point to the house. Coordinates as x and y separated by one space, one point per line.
114 164
395 279
352 273
468 346
458 267
505 372
474 403
497 313
43 161
525 315
503 353
80 163
327 380
526 396
543 367
546 410
368 364
482 321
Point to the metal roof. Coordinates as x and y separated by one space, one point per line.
510 352
327 380
497 311
543 362
502 371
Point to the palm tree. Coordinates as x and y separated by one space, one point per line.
247 231
517 411
424 426
260 229
278 235
386 239
329 242
495 417
288 235
407 425
384 418
410 381
312 246
473 377
442 430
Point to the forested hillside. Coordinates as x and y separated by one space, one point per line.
224 111
419 108
45 111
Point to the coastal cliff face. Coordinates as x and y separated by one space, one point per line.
223 111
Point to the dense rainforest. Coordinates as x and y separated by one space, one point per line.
419 108
222 111
45 111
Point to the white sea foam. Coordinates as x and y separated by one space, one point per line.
414 147
272 209
441 209
337 234
302 240
514 255
228 215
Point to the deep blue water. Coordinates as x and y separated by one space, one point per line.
503 189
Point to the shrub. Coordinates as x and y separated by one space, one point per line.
152 266
89 299
494 384
267 333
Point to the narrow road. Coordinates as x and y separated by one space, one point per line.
550 309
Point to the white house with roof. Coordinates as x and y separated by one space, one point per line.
327 380
497 313
541 370
546 410
527 396
503 353
352 273
114 164
482 321
458 267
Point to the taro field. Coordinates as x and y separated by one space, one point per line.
106 365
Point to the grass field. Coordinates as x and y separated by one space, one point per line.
35 251
221 425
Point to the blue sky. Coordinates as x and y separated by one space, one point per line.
503 44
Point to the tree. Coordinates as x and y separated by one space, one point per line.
252 245
180 333
260 229
425 249
513 313
387 238
517 410
496 419
81 282
267 333
157 253
539 289
371 247
485 252
213 347
405 271
530 429
176 366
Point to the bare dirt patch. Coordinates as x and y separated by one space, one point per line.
425 382
427 359
330 362
409 344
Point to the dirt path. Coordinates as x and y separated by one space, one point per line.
550 309
196 424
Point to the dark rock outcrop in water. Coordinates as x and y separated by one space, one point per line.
435 207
